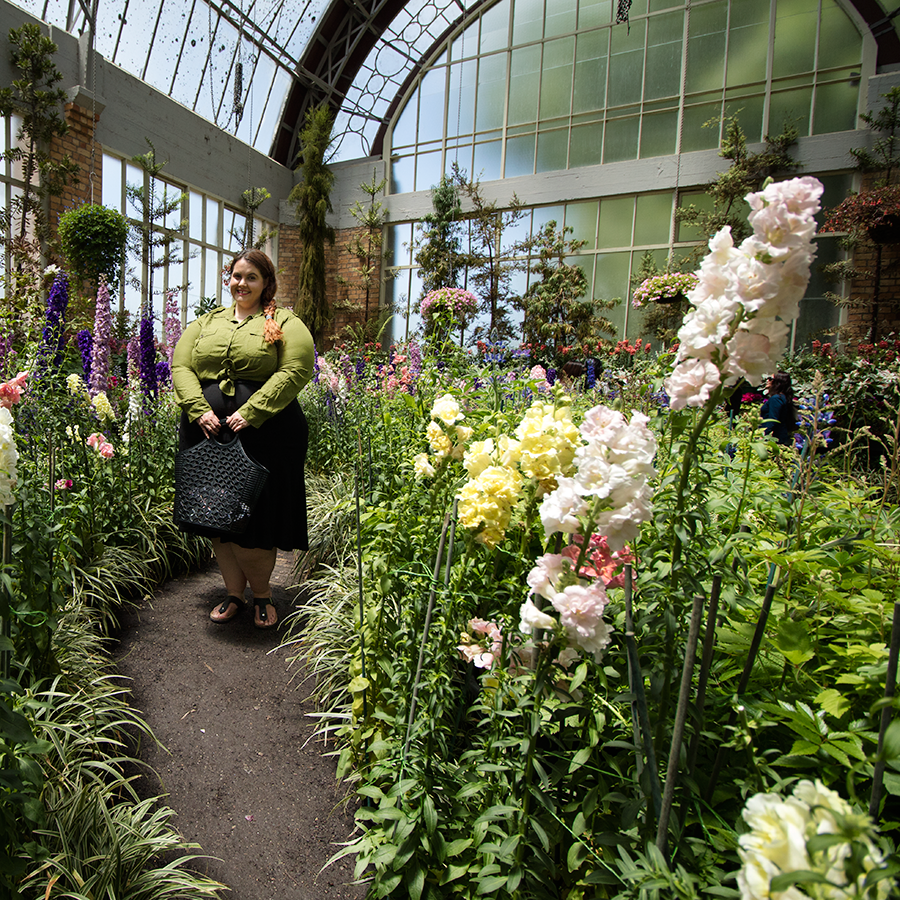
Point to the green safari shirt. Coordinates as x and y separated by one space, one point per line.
216 347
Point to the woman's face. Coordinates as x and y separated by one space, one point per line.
247 285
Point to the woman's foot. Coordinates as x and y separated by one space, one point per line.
265 616
229 608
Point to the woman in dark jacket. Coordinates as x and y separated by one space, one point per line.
778 412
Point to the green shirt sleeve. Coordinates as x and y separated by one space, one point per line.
216 347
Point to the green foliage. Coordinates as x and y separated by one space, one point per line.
35 97
555 314
438 251
311 199
93 238
253 198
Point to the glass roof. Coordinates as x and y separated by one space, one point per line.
234 61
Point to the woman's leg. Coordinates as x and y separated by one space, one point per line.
234 578
257 566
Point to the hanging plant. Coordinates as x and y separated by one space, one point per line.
671 287
872 212
93 239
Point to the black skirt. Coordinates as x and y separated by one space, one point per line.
279 444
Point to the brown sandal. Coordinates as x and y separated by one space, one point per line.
222 610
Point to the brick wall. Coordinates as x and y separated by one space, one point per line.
342 282
77 144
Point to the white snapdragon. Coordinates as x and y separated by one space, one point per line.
777 843
746 295
9 457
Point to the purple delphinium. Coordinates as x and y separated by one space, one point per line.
85 345
147 361
50 353
551 377
347 367
163 372
591 378
102 333
316 368
415 358
171 324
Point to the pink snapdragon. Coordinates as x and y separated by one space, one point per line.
98 442
11 391
63 484
486 653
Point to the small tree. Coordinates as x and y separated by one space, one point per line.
367 248
438 247
555 313
312 200
490 262
248 239
154 241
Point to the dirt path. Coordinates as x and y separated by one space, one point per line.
239 767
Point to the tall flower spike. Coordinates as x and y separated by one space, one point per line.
102 334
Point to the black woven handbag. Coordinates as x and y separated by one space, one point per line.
217 485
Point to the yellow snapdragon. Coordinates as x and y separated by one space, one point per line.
486 503
548 439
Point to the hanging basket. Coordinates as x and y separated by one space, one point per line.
887 231
672 298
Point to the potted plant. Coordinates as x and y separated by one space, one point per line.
445 310
670 287
874 213
92 237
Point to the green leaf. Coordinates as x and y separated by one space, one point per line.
429 814
800 876
833 702
370 790
576 856
579 759
578 677
416 882
492 884
452 872
358 685
454 848
792 640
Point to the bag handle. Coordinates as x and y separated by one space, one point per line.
224 427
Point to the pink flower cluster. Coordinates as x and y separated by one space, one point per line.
664 287
11 391
459 303
485 653
98 442
600 562
63 484
396 376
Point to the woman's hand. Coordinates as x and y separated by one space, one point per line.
209 424
236 422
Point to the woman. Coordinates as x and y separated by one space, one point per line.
246 363
778 412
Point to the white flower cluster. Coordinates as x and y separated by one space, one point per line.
777 843
610 484
9 457
747 295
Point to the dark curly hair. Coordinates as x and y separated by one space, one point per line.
261 262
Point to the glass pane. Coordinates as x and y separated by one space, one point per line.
790 106
461 157
590 71
706 59
112 181
195 286
212 221
594 12
839 42
403 174
749 111
835 107
528 21
586 145
616 216
621 139
658 134
491 92
582 217
749 12
495 28
561 17
626 63
795 37
136 29
213 277
662 76
556 78
461 101
652 219
195 216
524 83
748 49
404 132
428 170
611 280
542 215
431 103
701 201
487 162
520 156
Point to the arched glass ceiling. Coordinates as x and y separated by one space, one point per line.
353 54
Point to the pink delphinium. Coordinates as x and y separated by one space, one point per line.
11 391
171 324
100 350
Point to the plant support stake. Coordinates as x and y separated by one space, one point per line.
678 729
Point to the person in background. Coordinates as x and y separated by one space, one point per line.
778 412
240 368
